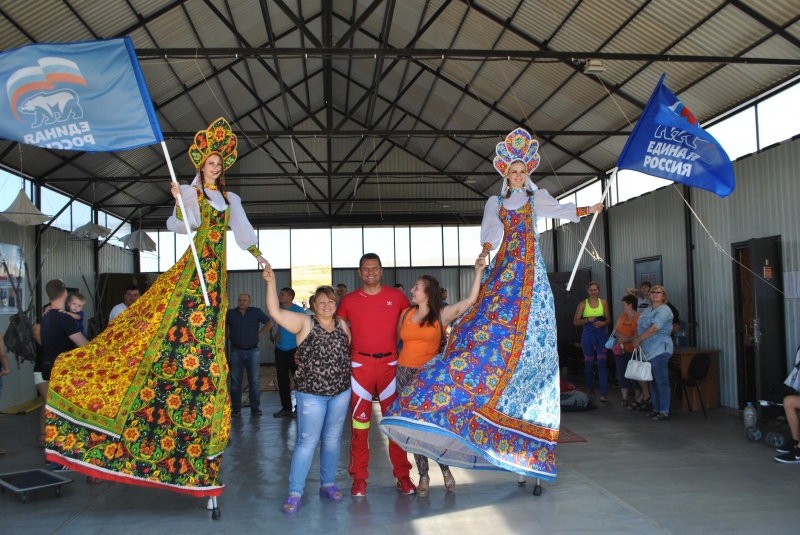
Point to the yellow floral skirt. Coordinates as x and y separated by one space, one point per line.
146 402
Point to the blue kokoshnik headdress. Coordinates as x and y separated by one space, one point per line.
519 146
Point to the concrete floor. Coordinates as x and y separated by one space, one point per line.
688 475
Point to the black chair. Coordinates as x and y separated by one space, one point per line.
698 369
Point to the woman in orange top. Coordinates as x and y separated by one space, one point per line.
625 330
421 329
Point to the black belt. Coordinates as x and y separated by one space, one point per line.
376 355
245 348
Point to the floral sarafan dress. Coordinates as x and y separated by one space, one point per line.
491 399
146 401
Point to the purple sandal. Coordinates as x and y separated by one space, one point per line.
291 504
331 492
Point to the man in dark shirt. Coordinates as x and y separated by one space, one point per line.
243 330
58 333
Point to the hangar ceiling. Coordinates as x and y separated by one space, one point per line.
386 111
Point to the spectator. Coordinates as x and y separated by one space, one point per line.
311 302
243 331
129 297
285 349
642 293
625 330
791 452
372 311
74 310
323 389
653 335
421 328
591 313
59 333
444 297
341 291
400 287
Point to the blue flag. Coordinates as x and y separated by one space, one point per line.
668 142
88 96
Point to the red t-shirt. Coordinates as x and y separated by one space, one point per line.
373 319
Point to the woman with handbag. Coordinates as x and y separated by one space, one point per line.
654 337
591 314
624 331
421 329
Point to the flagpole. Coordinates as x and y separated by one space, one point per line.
589 231
186 223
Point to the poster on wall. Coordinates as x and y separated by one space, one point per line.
12 278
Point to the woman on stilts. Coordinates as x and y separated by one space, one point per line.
146 402
491 399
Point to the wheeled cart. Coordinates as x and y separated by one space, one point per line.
27 481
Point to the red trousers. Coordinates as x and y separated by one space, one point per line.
372 375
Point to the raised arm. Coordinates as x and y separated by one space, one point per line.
243 231
294 322
451 312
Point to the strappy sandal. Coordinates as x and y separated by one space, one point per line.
423 486
661 417
634 406
291 504
331 492
449 480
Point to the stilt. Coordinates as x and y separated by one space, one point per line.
537 490
212 504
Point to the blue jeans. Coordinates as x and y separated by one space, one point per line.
659 386
241 360
593 341
318 418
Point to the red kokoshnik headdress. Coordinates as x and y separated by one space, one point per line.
218 138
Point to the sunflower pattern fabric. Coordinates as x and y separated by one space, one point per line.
146 402
491 400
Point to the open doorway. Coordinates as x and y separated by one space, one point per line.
758 303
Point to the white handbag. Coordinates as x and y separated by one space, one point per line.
638 369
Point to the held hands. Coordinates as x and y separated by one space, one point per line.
480 263
597 208
262 262
175 189
268 274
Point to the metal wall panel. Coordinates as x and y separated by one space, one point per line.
648 226
546 248
764 204
67 258
115 259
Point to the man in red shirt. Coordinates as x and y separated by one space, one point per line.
372 311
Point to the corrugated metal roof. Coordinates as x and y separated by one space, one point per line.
454 94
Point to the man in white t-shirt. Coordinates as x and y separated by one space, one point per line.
129 298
